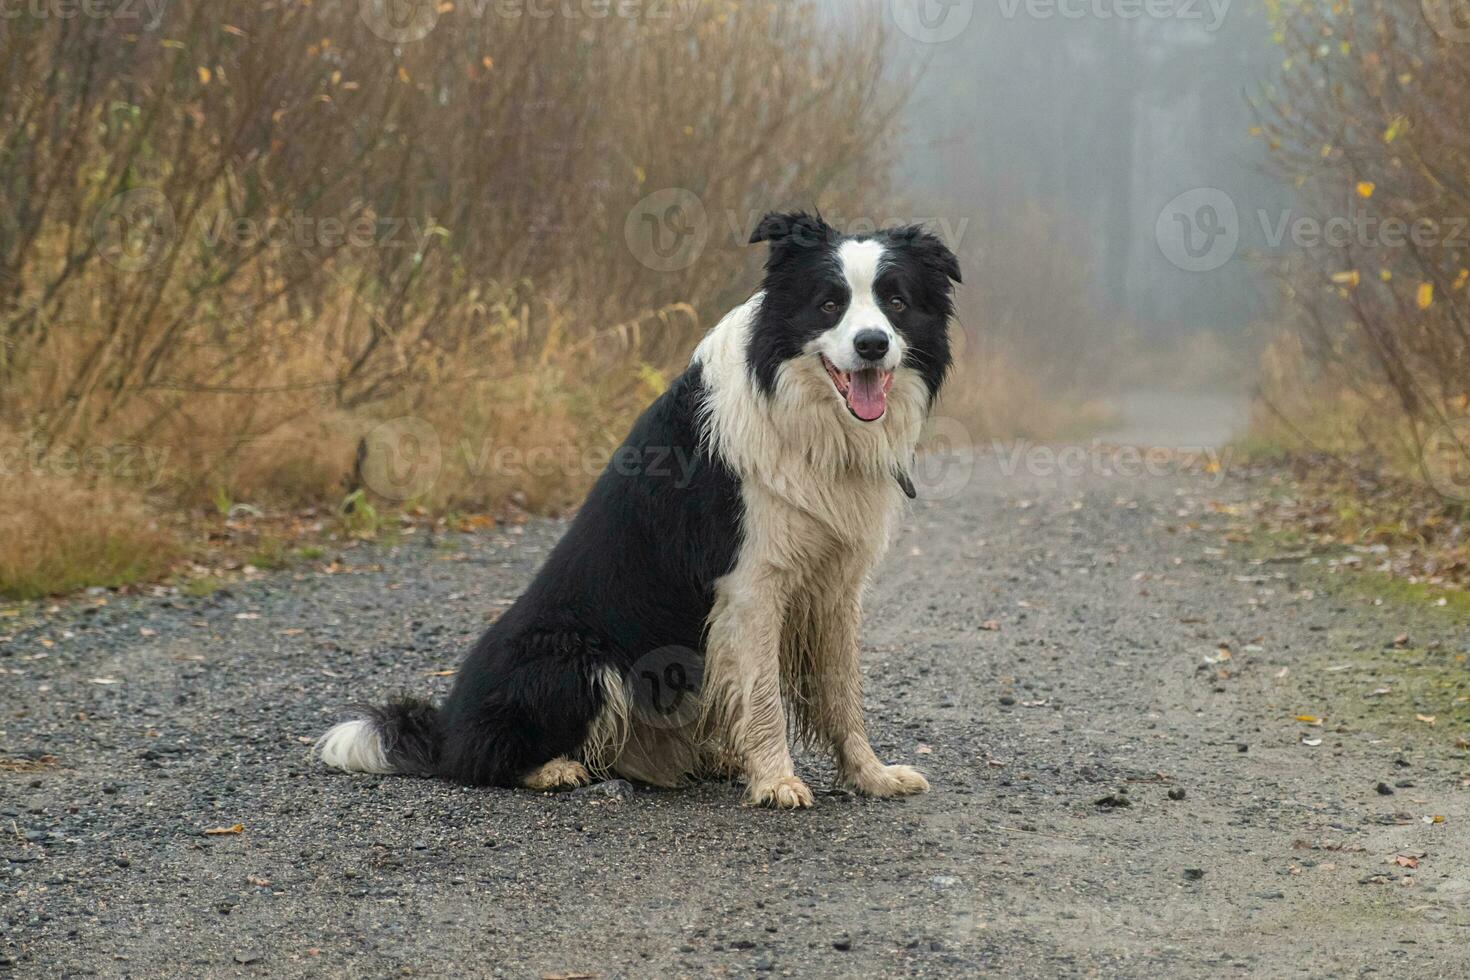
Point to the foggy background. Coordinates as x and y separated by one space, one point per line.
1050 137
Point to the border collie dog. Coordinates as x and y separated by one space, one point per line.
703 608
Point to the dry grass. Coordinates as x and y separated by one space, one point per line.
58 535
295 264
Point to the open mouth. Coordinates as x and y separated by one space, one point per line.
865 391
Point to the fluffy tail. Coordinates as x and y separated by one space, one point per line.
399 737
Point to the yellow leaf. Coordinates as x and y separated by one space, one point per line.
204 75
639 175
1310 720
1326 149
1385 275
1427 719
1425 295
1395 127
1459 282
1365 188
1349 278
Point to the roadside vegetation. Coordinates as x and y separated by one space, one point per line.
241 240
1366 388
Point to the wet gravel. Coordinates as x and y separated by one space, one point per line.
1109 795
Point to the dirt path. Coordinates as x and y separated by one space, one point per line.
1042 647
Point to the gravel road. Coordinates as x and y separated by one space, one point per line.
1111 795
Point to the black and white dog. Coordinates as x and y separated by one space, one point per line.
722 555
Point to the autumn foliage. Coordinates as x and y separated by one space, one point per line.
243 236
1367 120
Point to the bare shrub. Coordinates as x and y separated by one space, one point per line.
1367 120
255 230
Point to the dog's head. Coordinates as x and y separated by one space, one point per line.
861 309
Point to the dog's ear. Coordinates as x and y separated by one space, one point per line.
792 228
931 251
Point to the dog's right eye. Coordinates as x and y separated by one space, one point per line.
830 306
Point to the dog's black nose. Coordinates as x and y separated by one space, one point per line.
871 345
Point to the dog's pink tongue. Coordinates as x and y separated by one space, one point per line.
867 396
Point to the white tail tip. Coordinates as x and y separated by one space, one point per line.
354 746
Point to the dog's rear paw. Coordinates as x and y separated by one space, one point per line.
783 793
890 781
560 773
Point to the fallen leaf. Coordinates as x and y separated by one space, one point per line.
990 625
1312 720
1405 861
1427 719
238 828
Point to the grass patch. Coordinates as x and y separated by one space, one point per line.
57 536
1392 589
204 585
271 554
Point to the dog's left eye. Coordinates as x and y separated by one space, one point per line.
898 304
830 306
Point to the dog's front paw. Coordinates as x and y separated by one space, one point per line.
889 781
783 793
560 773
